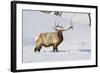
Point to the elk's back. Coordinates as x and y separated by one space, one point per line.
48 39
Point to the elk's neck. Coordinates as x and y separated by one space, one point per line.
60 34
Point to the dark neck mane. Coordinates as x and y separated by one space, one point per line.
60 34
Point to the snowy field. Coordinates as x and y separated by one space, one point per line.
75 46
65 54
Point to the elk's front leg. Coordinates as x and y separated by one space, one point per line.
55 48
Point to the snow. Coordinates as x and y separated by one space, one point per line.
75 46
46 54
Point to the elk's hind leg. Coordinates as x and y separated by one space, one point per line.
35 49
39 49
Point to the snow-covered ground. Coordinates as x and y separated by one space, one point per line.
75 46
65 54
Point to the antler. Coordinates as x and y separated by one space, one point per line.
59 26
56 26
62 29
71 27
68 28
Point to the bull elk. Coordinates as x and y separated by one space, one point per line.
48 39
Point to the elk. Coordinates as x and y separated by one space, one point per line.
48 39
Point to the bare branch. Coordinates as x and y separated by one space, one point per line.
47 12
89 19
57 13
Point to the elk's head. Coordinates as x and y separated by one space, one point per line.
61 28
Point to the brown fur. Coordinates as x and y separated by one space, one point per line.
49 39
